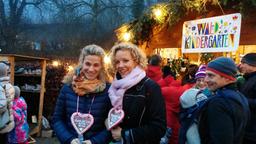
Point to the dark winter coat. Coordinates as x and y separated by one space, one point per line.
144 121
66 106
224 118
249 90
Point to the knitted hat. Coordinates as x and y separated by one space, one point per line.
3 69
250 59
17 91
201 72
190 97
223 66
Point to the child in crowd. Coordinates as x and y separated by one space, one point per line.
191 101
6 98
19 135
199 76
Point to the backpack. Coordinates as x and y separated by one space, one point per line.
3 100
4 113
192 102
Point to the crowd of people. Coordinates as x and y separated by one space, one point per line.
145 103
214 103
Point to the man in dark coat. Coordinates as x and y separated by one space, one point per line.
224 117
248 68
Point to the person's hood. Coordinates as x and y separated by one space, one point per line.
154 72
4 79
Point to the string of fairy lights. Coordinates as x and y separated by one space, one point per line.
70 66
159 13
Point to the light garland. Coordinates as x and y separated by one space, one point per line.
70 68
127 36
124 34
159 13
106 59
55 63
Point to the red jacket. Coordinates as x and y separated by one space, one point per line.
168 81
154 72
171 94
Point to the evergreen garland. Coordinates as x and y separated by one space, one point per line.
206 57
142 28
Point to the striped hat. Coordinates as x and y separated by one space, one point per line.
201 72
223 66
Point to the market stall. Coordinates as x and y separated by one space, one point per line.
29 74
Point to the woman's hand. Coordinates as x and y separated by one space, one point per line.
116 133
75 141
106 123
87 142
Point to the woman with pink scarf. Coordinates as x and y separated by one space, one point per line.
138 113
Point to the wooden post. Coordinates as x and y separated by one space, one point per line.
42 91
11 60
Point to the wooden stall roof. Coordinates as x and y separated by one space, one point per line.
23 57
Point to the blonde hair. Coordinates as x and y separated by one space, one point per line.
86 51
137 54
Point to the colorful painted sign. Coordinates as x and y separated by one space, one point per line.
215 34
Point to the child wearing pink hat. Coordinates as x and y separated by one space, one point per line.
199 76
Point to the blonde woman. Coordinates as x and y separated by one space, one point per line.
137 96
83 102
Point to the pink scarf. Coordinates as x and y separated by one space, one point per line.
118 87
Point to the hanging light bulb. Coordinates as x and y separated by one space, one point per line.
158 13
70 68
55 63
107 59
127 36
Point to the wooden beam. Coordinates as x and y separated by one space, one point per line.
12 70
42 91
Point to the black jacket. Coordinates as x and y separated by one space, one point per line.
145 118
224 118
249 90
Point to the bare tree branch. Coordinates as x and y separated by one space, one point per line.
20 11
36 3
2 14
82 15
11 18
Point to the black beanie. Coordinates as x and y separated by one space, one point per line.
223 66
155 60
250 59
